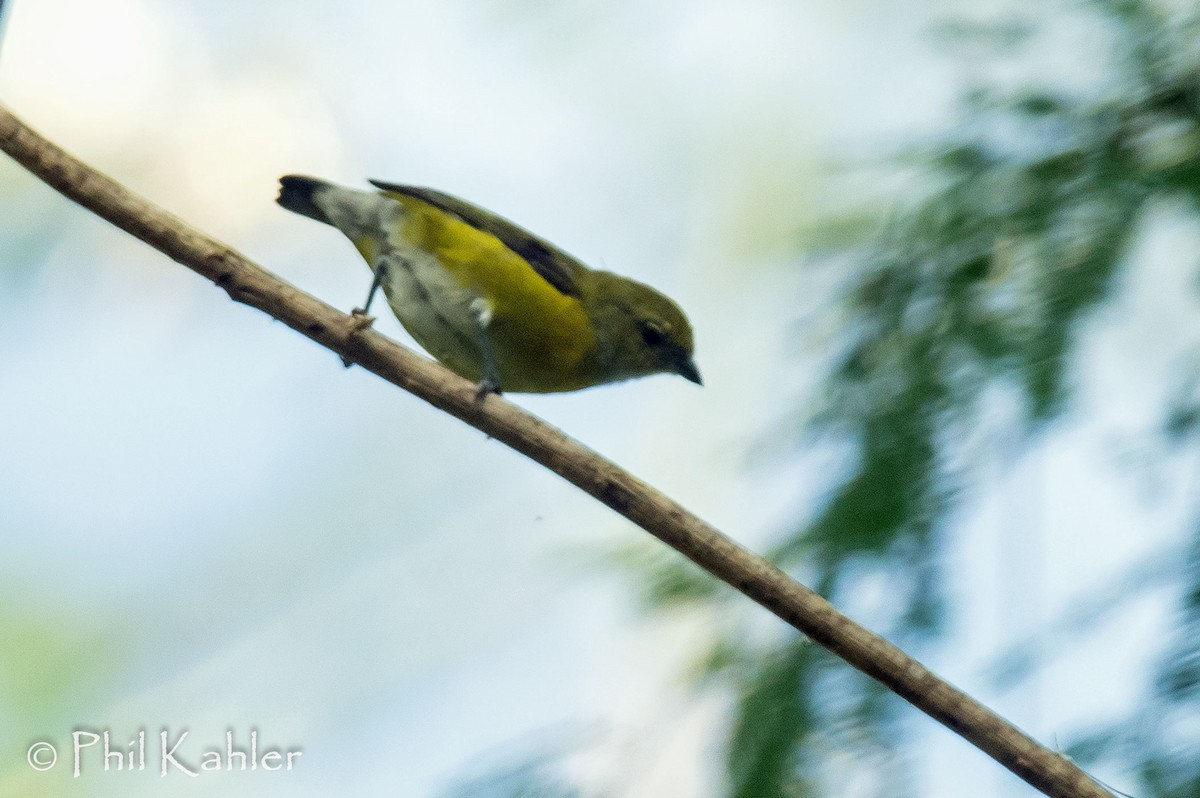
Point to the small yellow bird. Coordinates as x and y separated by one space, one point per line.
493 302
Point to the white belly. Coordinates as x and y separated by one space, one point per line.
429 302
433 307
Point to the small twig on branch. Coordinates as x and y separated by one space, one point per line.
250 284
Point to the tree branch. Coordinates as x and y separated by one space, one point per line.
250 284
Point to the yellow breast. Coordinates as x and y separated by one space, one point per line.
543 339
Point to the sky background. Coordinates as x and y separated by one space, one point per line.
209 524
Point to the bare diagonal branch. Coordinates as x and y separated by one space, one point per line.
250 284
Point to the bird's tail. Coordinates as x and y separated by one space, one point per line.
296 194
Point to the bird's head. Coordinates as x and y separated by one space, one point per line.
639 330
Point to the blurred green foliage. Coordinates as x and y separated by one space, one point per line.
978 286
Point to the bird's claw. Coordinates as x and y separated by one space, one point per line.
486 386
360 319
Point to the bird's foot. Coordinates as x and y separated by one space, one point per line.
486 385
360 319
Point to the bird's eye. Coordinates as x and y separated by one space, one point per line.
652 334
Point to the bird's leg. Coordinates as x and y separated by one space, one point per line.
481 312
361 315
362 318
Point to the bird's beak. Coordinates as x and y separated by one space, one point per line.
687 369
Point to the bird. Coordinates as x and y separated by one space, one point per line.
493 302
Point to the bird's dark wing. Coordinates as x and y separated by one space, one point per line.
555 266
